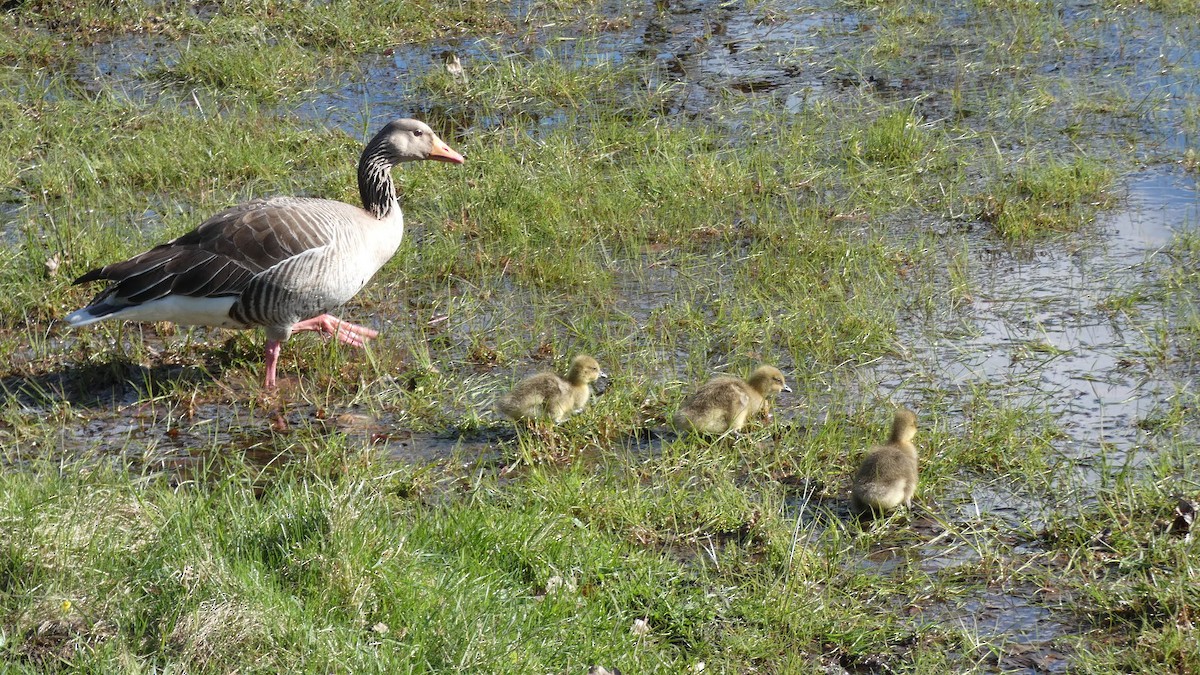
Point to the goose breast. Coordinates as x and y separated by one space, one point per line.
315 255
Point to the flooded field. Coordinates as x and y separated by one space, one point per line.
1050 371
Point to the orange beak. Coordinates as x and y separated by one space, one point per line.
444 153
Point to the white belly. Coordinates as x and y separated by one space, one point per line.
174 308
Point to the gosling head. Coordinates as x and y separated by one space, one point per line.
584 370
409 140
768 381
904 426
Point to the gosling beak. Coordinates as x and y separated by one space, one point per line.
444 153
787 389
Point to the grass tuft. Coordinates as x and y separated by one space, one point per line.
1038 198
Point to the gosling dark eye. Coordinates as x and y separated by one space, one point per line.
417 132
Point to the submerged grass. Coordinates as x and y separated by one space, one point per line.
160 513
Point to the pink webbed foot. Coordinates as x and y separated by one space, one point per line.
331 326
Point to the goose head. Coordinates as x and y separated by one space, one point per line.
904 426
768 381
408 140
584 370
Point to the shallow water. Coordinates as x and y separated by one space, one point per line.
1038 333
120 67
705 47
10 234
1023 631
1038 327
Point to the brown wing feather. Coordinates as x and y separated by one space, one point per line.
219 258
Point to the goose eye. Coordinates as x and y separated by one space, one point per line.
417 132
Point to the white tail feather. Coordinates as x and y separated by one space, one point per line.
179 309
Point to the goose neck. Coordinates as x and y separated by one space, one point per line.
375 185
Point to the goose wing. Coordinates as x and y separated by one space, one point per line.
219 258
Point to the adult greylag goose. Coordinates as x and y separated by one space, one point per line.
548 396
724 403
281 263
887 476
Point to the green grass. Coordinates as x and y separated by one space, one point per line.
262 70
1045 198
1132 575
160 513
340 564
500 83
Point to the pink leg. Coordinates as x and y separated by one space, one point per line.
271 358
331 326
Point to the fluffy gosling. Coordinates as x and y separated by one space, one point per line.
548 396
723 404
887 477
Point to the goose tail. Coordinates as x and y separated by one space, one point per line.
89 315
